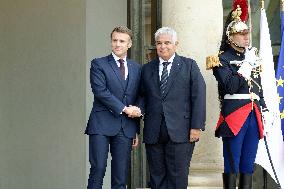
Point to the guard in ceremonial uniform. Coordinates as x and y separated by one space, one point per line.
237 71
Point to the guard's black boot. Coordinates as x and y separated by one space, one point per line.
229 180
245 181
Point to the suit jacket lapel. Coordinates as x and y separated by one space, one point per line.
177 64
130 74
155 78
116 70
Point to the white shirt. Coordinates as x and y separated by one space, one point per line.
116 58
168 67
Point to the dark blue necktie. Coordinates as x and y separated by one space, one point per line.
122 68
164 77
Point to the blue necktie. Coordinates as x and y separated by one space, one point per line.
122 68
164 77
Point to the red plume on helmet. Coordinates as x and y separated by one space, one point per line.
244 6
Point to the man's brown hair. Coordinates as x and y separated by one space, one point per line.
122 29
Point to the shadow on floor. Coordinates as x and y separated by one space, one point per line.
259 179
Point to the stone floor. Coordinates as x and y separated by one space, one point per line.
213 180
200 179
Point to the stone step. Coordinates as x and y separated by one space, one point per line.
195 187
204 187
205 179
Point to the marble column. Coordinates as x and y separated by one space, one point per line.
199 26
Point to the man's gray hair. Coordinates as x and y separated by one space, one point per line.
167 31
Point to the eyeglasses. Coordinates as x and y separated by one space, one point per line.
159 43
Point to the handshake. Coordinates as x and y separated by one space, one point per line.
132 111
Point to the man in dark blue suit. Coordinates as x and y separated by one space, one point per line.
112 124
174 96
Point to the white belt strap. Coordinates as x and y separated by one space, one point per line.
242 96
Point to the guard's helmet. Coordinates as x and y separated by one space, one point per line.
237 25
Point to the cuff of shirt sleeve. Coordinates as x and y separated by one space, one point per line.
123 110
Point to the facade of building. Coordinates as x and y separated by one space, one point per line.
45 49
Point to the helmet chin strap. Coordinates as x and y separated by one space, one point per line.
231 41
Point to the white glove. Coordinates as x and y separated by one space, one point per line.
251 57
245 70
